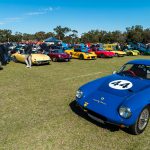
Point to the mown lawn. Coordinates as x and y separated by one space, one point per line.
37 111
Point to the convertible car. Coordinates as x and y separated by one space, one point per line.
37 58
122 98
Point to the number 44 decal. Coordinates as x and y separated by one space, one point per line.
120 84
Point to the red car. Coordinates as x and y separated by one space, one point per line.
102 53
59 55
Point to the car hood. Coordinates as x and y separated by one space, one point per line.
119 52
62 54
40 57
123 86
108 95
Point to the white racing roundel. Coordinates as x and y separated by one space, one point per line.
120 84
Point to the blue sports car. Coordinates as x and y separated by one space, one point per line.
122 98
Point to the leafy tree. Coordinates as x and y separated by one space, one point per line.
49 34
135 34
40 35
61 32
146 35
5 35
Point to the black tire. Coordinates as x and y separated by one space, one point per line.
102 56
141 122
49 63
15 59
67 60
54 59
81 57
1 65
131 54
117 55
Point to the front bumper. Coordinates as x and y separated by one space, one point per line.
90 57
105 117
41 62
63 59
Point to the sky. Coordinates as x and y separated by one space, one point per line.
31 16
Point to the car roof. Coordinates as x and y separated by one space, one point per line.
140 61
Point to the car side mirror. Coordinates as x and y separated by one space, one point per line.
114 72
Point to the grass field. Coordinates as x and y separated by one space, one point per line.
37 111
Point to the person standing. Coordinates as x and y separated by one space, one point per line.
1 58
28 56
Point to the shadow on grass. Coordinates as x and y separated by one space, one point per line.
78 111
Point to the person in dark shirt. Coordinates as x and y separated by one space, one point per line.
1 57
28 56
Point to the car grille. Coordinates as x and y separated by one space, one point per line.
93 57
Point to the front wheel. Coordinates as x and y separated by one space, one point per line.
141 122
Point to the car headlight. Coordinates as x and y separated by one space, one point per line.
125 112
79 94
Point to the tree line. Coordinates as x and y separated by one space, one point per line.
132 34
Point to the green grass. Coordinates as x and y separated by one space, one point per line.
35 110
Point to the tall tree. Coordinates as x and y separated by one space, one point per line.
5 35
40 36
61 32
135 33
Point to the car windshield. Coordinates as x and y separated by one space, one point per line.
57 51
136 70
101 49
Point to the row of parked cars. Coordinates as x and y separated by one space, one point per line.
44 56
93 52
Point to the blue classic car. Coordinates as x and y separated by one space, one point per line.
122 98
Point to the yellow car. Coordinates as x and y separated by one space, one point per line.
110 47
69 51
113 48
132 52
119 53
81 54
37 59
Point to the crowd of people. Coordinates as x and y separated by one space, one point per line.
7 49
4 54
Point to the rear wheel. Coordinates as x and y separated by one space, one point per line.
81 57
54 59
131 54
67 60
141 122
15 59
102 56
116 54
